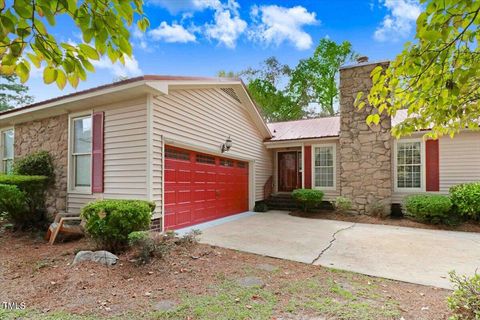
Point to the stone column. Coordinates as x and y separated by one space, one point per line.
365 151
49 134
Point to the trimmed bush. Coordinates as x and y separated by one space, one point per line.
429 208
466 200
465 299
13 203
35 164
308 198
109 222
342 204
34 189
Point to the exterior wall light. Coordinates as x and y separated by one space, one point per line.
227 145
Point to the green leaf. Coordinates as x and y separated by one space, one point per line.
35 59
61 79
373 118
49 75
23 71
73 80
89 51
23 8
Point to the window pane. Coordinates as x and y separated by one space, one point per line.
324 168
82 135
7 138
409 165
82 171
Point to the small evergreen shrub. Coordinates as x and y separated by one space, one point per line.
466 200
377 209
109 222
13 203
36 164
34 189
260 206
429 208
147 245
342 204
308 198
465 299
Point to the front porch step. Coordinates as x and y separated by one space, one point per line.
284 201
281 201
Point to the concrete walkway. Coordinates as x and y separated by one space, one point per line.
407 254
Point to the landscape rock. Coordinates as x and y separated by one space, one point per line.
250 282
102 257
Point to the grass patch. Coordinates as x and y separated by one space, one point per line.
227 301
349 300
36 315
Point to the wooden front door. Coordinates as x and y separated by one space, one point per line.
288 171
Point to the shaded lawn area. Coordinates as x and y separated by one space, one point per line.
200 282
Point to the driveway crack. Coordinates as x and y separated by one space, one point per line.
331 242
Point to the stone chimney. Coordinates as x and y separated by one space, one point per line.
365 151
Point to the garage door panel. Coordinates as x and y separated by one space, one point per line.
201 187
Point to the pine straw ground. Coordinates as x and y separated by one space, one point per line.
202 281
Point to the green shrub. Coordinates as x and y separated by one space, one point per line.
35 164
34 189
260 206
377 209
109 222
342 204
466 200
147 245
429 208
307 198
465 299
13 203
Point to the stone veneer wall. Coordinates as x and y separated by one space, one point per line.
365 151
50 134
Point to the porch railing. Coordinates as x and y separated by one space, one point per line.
268 188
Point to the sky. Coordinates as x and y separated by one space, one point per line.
202 37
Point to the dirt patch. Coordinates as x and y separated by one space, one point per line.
469 226
202 280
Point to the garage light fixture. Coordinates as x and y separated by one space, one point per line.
227 145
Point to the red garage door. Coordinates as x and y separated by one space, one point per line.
201 187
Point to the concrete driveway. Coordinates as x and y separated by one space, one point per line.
407 254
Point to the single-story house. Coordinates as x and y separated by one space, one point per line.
200 149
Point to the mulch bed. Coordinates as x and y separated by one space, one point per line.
469 226
43 277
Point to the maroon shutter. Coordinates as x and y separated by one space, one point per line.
432 165
307 167
97 152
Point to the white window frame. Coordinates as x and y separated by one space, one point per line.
422 166
334 148
4 159
71 164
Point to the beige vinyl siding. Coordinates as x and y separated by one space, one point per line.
459 163
204 118
125 154
330 194
459 160
157 162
